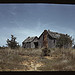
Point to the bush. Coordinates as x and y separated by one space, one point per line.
45 52
12 43
64 41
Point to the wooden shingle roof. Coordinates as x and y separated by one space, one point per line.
30 39
53 34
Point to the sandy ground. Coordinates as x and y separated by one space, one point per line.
32 64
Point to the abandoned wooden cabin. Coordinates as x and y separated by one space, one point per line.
46 39
30 42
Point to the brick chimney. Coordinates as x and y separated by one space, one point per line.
45 41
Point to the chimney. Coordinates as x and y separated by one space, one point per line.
45 41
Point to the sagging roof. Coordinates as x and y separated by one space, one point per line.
54 34
30 39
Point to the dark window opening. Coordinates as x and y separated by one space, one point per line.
54 41
36 44
23 43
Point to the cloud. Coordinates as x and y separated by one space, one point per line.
12 13
12 10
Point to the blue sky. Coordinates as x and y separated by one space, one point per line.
23 20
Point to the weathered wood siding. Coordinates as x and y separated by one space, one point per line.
27 45
40 42
51 42
32 45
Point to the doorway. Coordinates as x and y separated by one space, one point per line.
36 44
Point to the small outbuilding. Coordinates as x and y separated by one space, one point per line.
30 42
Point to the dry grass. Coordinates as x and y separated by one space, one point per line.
12 59
63 60
22 59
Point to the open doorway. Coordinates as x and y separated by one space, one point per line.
36 44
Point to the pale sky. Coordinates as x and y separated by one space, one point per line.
23 20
